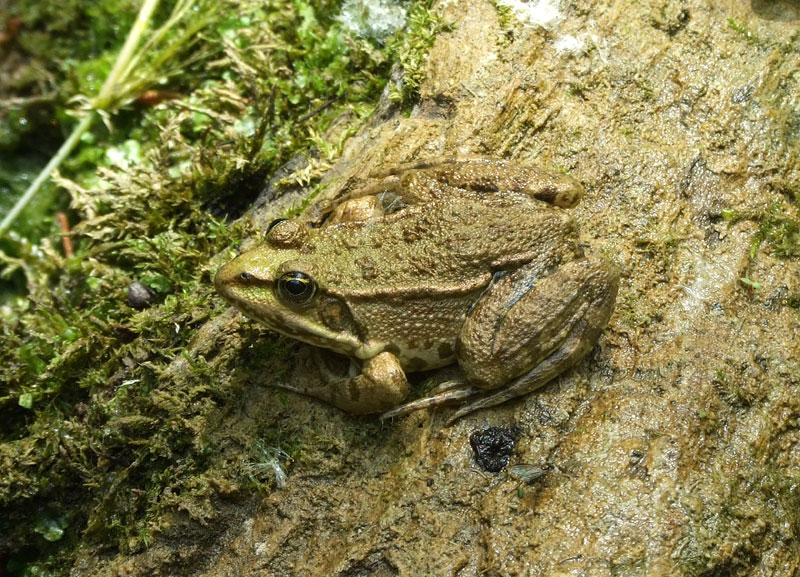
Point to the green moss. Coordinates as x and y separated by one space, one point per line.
411 50
727 515
505 16
748 35
110 426
778 227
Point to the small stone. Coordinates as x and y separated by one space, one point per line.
140 296
493 447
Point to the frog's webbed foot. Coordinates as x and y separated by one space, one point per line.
444 394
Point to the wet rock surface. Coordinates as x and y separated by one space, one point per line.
674 447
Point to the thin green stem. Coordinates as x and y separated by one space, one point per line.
178 12
101 102
104 98
62 153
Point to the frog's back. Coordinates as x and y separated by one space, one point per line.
443 246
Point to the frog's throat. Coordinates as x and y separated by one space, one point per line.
311 333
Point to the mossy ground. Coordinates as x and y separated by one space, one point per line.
106 437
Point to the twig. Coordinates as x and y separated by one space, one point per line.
63 224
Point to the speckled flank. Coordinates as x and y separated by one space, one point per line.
419 329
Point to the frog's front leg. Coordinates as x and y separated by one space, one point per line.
526 330
380 386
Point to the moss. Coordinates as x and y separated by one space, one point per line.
411 50
507 21
778 227
111 426
730 512
748 35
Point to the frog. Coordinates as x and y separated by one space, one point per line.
468 261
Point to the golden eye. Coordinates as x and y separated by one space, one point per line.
274 222
283 233
296 288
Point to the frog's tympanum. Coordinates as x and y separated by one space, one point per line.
471 261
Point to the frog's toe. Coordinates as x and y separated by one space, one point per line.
447 393
572 350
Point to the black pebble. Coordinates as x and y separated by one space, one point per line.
493 447
140 296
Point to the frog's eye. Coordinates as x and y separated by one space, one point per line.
296 288
274 222
286 233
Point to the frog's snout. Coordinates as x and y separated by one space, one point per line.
224 280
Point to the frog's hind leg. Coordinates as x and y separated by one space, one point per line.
444 394
526 330
537 377
488 175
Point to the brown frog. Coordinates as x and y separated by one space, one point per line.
473 261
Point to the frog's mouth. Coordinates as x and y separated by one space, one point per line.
301 328
312 333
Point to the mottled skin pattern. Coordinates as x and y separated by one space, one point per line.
470 261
